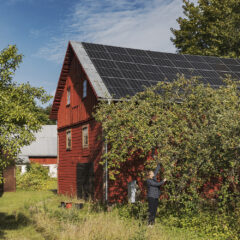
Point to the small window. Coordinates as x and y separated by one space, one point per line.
68 95
84 88
68 139
85 136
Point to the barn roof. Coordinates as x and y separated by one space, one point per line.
116 72
45 144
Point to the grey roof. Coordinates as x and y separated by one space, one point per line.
45 144
116 72
90 70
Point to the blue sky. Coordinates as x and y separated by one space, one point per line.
41 30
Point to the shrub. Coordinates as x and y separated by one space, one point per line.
36 178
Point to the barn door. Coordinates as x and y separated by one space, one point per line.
85 179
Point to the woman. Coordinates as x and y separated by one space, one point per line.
153 193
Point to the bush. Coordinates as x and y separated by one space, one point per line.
137 210
36 178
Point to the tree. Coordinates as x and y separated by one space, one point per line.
44 113
191 129
19 112
210 27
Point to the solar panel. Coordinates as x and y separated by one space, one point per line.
144 60
133 75
114 82
148 68
176 57
140 85
219 67
193 58
182 64
127 66
186 72
194 72
117 50
162 62
110 72
234 68
238 75
99 55
160 55
104 63
216 81
94 47
169 70
121 57
227 74
229 61
154 76
122 92
210 59
208 74
170 77
204 80
136 52
201 65
125 70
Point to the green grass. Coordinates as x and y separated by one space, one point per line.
37 215
14 224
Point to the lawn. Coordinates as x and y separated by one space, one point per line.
37 215
14 223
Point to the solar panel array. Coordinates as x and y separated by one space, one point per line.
126 71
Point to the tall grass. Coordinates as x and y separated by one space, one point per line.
45 219
88 224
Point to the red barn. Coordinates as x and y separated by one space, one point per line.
93 73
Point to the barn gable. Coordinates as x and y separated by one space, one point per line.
115 72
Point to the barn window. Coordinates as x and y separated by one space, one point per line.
84 88
85 136
68 95
68 139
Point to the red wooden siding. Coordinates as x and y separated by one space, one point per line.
43 160
74 116
68 159
79 109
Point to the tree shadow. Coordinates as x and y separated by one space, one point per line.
12 222
54 191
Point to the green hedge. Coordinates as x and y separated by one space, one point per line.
36 178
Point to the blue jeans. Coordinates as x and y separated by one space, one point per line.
152 210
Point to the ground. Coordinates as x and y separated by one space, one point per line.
38 215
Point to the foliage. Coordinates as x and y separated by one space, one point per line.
19 113
193 130
210 27
36 178
209 222
44 113
137 210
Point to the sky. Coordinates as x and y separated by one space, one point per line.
41 30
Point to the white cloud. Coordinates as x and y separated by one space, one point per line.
137 24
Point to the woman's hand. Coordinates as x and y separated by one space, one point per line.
164 179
